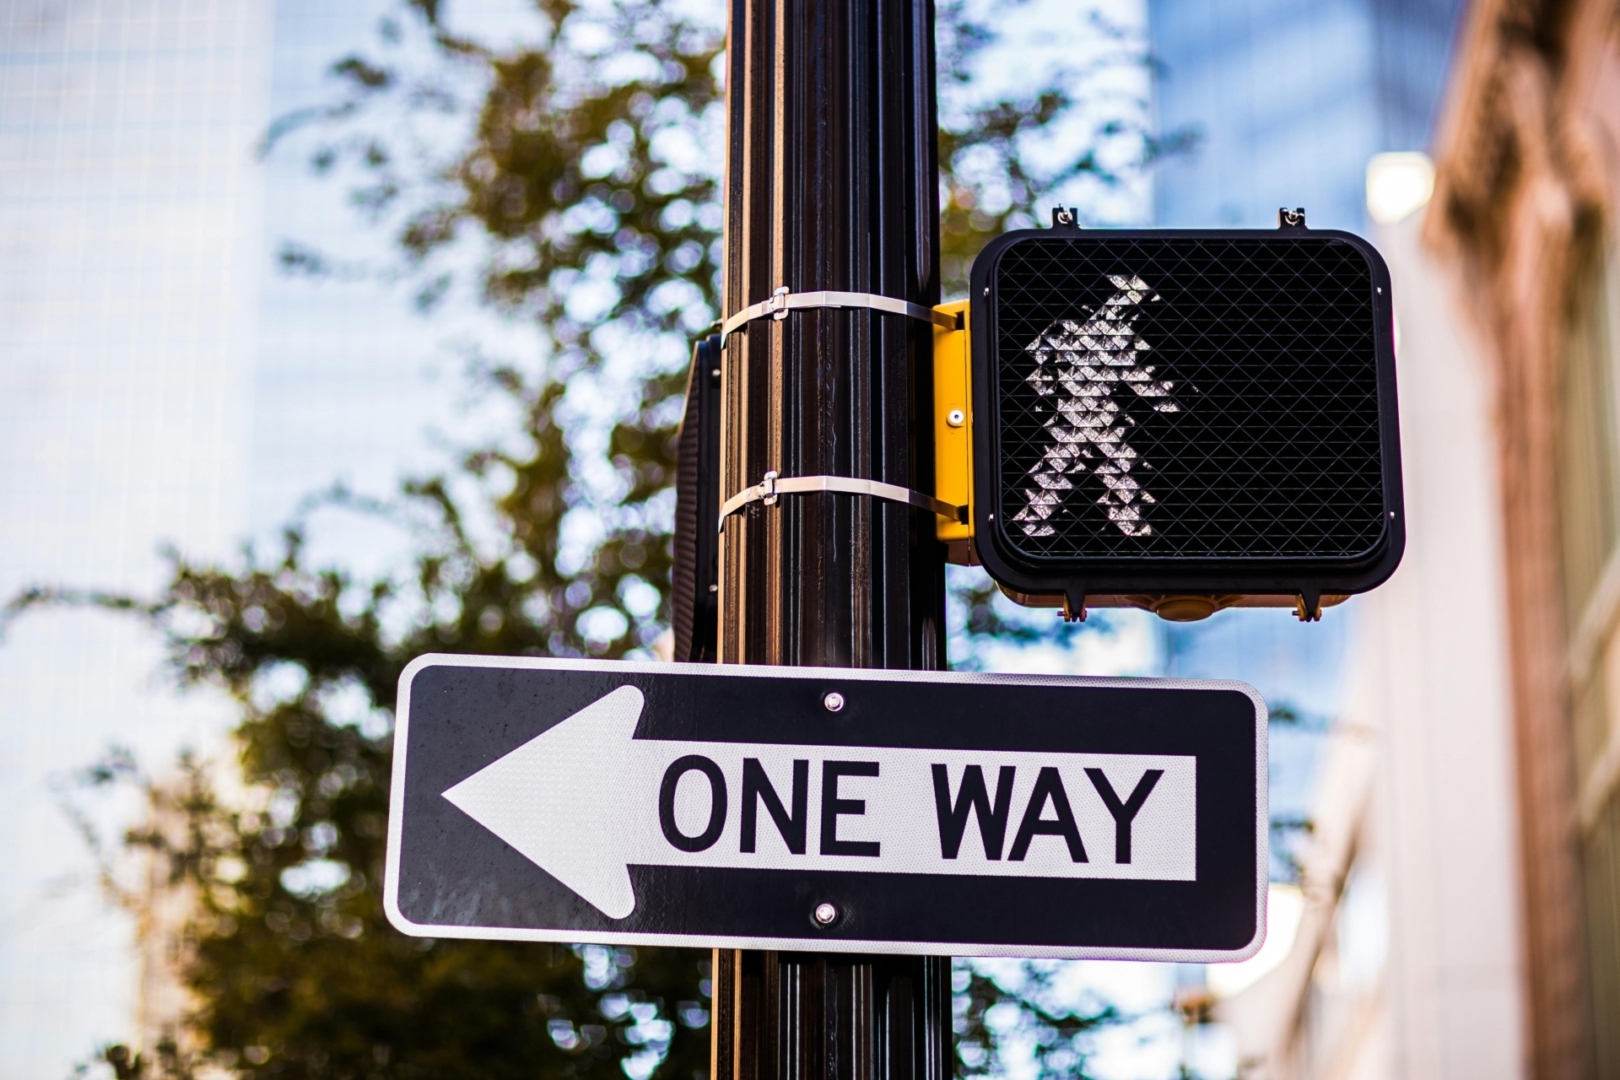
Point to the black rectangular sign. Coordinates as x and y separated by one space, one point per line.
1185 411
828 808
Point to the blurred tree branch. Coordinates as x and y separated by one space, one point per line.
579 194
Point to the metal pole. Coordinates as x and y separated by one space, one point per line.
832 183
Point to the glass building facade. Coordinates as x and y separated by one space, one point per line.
1287 102
130 225
162 384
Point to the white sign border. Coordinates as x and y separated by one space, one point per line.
1262 840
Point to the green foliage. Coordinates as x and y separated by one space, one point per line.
1022 1006
583 192
990 181
981 614
294 969
166 1059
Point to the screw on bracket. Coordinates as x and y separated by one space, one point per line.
1065 217
1291 219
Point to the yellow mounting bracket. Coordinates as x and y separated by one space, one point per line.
953 431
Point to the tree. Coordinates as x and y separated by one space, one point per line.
1054 1031
582 176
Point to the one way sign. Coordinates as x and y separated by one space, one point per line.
869 811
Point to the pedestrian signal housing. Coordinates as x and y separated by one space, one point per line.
1179 420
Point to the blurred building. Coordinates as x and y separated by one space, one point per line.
1406 959
1527 212
1461 910
161 384
129 265
1288 101
1400 954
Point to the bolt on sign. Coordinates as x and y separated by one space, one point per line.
793 808
1182 420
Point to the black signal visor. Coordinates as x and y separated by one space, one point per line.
1185 411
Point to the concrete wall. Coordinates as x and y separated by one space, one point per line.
1408 962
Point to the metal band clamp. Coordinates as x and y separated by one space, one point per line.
784 300
768 489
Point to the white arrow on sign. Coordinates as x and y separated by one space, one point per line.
586 800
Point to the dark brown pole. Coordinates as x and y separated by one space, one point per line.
832 183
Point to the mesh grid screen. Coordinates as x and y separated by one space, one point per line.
1187 398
